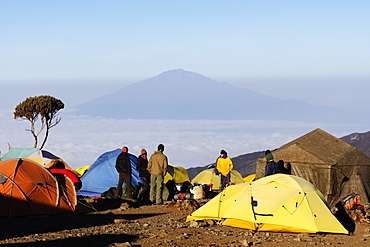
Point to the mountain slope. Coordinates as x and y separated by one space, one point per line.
179 94
246 163
361 141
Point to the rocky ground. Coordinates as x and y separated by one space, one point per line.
120 223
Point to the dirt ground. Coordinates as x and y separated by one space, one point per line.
122 223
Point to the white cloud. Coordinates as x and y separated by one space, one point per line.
81 140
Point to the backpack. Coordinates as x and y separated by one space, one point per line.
109 194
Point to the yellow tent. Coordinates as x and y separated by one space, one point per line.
208 177
236 177
249 178
278 203
179 174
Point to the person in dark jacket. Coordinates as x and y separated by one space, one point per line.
123 166
271 166
281 167
142 167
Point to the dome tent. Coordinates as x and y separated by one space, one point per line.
27 188
102 175
209 177
42 157
279 203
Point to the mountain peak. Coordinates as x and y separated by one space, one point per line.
180 75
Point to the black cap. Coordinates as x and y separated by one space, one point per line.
223 152
161 147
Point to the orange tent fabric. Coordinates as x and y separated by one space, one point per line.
27 188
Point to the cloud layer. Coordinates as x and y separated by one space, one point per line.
188 143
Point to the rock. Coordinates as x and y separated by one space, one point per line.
246 242
116 221
120 244
210 222
193 224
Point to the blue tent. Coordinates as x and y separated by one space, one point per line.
103 175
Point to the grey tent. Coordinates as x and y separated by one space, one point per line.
336 168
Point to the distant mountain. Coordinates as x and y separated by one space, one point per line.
246 163
179 94
361 141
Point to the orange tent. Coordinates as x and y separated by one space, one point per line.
27 188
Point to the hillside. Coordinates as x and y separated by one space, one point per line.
361 141
246 163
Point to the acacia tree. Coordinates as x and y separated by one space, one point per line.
42 107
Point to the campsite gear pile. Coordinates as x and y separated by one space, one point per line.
354 209
279 203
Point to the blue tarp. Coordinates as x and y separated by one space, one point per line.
103 175
88 194
18 153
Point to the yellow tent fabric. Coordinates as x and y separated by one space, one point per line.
208 177
279 203
249 178
180 175
236 177
81 170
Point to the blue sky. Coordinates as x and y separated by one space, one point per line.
317 51
287 49
48 40
224 39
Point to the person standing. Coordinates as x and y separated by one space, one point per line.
123 166
157 167
224 166
142 167
271 165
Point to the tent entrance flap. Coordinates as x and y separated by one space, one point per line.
39 183
292 205
3 178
